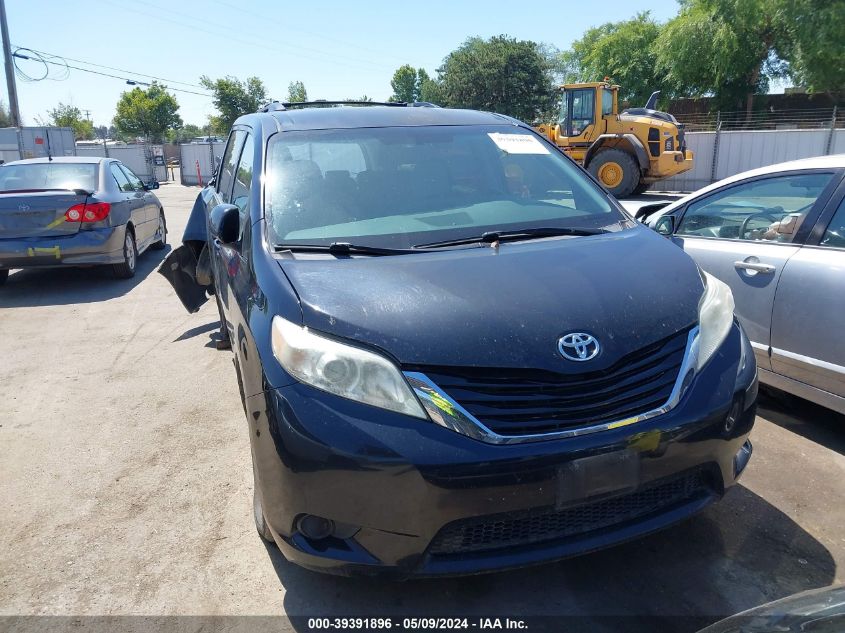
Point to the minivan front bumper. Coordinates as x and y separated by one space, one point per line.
411 498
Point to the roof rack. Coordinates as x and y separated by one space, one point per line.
277 106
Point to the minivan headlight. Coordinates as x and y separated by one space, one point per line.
715 317
344 370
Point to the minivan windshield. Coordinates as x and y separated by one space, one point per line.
400 187
35 176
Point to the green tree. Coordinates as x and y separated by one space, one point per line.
233 98
624 51
501 74
404 84
187 132
297 92
816 56
5 117
148 113
428 89
64 115
728 48
409 84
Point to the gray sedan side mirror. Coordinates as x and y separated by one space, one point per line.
665 225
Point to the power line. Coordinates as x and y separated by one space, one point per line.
128 80
316 34
293 51
122 70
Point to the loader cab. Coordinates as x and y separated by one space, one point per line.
582 106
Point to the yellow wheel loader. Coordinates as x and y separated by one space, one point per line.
626 151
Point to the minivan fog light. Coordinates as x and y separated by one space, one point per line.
344 370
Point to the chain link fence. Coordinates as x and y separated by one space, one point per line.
808 119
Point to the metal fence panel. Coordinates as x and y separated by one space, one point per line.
739 151
138 158
35 142
838 144
199 157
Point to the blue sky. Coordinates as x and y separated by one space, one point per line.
339 49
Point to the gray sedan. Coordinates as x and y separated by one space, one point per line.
776 236
76 211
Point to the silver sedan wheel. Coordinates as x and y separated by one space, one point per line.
129 250
160 231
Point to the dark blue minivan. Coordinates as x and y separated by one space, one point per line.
456 353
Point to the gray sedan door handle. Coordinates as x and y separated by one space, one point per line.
758 268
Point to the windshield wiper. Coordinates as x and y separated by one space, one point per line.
343 248
511 236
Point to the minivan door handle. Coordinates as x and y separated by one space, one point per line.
755 266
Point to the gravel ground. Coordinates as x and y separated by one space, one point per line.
126 485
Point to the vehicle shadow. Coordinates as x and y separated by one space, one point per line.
654 196
738 554
817 424
30 287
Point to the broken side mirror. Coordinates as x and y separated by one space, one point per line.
226 223
665 225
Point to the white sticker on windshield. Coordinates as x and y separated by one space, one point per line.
518 143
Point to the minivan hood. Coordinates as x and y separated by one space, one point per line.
506 306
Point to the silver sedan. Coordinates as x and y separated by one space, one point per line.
76 211
776 236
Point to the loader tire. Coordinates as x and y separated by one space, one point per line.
616 170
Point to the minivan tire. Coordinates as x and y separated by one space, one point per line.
126 269
162 226
630 171
258 512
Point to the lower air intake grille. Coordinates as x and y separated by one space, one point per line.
508 530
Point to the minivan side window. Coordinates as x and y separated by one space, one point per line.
243 182
227 167
834 236
122 180
767 210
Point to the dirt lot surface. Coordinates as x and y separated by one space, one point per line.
126 486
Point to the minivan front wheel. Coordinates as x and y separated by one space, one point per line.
126 269
258 511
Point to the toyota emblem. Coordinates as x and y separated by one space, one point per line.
578 346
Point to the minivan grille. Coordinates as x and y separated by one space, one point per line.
499 531
516 401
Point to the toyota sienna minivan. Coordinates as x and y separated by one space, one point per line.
456 353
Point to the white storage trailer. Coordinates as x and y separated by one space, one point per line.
35 142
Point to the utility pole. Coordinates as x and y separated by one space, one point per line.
14 111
